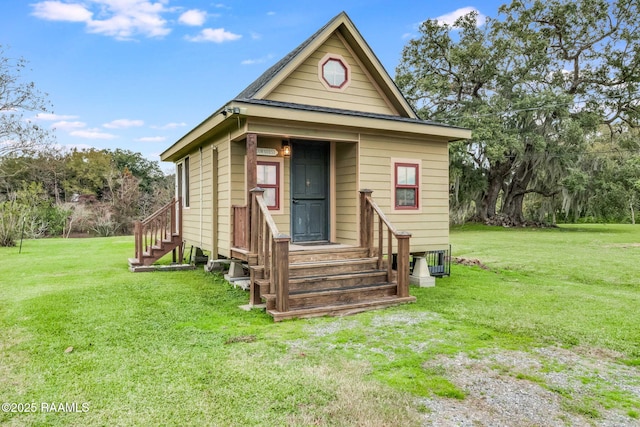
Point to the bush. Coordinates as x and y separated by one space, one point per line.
10 220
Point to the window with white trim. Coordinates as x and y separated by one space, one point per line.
406 185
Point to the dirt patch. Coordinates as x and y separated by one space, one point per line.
549 386
470 262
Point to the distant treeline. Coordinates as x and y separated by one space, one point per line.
94 192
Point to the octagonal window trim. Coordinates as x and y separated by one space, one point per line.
328 68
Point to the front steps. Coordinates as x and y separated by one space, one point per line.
331 282
154 253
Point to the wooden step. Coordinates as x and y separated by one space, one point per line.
331 281
333 296
318 268
327 254
134 262
343 309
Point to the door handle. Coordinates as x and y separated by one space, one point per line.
294 201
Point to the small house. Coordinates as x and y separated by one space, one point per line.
319 176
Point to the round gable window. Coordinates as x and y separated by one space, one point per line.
334 72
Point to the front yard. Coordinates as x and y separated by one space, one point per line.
548 334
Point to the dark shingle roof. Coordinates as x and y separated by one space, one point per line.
353 113
266 77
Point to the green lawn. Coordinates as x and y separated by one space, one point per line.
173 348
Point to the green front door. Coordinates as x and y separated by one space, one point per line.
309 191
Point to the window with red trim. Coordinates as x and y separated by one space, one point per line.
269 179
334 73
406 185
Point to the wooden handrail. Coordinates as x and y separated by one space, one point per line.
163 224
271 248
367 210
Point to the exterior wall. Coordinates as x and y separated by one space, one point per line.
429 225
197 225
303 86
224 197
346 193
357 166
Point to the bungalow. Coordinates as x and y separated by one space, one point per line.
308 176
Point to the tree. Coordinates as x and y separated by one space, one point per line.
19 135
532 84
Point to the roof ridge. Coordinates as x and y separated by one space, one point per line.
250 91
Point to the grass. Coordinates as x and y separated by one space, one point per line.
173 348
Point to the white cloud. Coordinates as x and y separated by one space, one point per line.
172 125
53 117
68 126
92 134
215 35
123 123
58 11
152 139
121 19
257 60
450 18
193 17
256 36
271 13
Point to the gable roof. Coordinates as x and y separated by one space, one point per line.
341 23
258 95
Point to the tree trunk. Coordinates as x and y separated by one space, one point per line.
486 206
514 197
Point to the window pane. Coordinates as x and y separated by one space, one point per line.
270 197
405 196
334 72
406 175
267 174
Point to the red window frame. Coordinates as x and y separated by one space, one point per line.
275 186
344 67
415 186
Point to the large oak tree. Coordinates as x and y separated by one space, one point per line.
533 84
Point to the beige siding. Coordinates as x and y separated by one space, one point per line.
430 225
224 197
303 86
197 223
346 194
191 214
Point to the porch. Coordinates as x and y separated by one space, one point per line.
309 280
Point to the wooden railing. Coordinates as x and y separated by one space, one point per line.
367 210
240 221
162 226
272 249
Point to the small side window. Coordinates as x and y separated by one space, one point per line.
182 181
406 185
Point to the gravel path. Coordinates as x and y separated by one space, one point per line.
548 387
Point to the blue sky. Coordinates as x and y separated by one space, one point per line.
138 74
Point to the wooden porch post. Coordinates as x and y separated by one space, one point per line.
256 222
281 271
252 178
403 263
366 220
